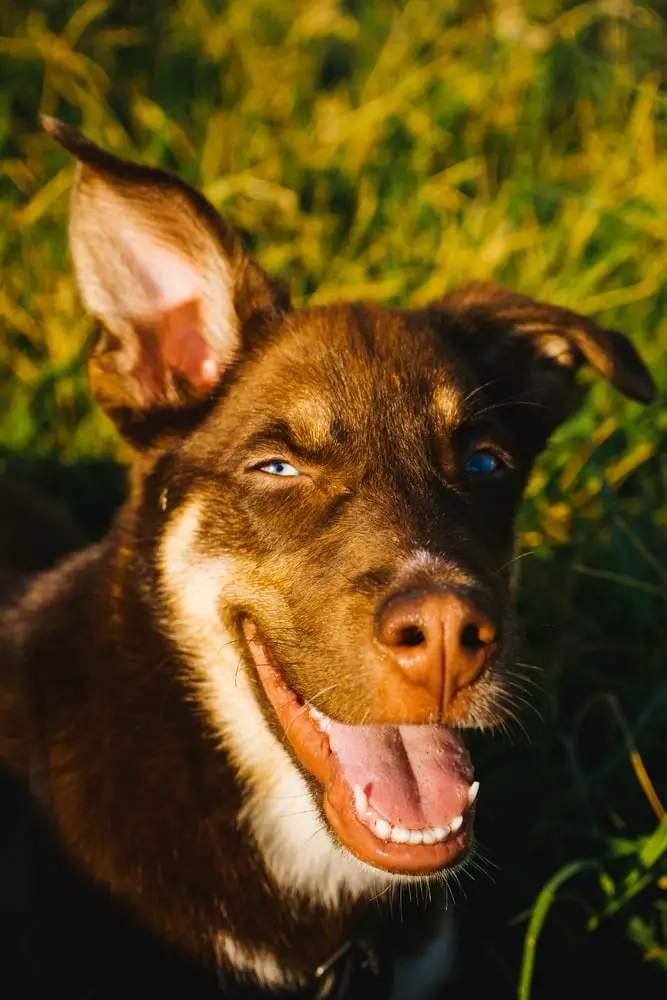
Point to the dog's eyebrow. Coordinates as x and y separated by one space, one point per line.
447 401
299 443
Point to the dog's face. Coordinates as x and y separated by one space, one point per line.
332 495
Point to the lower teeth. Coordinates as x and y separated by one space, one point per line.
384 830
399 835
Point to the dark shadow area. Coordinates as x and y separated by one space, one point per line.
561 788
88 491
57 929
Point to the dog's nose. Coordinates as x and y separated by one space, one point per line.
439 640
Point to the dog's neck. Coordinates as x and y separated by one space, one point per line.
138 786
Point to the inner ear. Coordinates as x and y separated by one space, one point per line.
154 273
184 346
168 281
174 359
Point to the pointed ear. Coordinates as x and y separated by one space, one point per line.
535 349
170 284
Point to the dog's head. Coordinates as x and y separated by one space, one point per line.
331 494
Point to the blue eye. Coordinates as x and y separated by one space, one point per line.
278 468
483 463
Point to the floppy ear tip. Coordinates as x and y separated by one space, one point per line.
643 390
630 374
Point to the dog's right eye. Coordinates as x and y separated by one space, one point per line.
277 467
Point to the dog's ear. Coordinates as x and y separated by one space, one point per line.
534 350
170 284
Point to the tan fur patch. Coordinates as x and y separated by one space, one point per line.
447 402
310 421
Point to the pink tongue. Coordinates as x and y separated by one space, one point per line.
413 776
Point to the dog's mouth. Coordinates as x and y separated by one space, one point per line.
399 797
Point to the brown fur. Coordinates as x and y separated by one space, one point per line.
102 710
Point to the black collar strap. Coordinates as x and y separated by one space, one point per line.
353 972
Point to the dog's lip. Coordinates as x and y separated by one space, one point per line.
308 738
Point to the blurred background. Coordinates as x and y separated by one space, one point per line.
389 151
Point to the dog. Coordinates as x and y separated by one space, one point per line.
234 724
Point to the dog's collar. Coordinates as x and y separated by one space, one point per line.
355 971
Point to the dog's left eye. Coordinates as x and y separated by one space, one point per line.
277 467
483 462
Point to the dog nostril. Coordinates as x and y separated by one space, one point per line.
411 636
476 637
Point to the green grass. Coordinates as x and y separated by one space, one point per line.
390 151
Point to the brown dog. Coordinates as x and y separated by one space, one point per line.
240 712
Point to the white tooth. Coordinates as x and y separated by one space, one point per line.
416 837
472 792
440 832
400 835
360 800
382 829
456 824
322 720
428 837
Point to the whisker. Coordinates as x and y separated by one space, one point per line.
530 666
320 829
379 895
516 558
303 812
474 392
